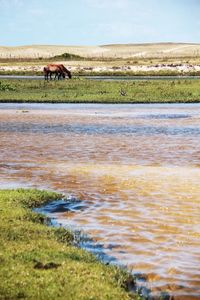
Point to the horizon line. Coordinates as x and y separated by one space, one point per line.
103 45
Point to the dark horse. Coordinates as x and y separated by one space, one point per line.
57 69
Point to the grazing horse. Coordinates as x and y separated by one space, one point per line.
51 69
57 69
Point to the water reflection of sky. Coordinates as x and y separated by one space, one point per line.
98 129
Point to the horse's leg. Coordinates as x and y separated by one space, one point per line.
59 75
45 75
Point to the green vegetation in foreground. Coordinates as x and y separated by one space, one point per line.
83 90
39 262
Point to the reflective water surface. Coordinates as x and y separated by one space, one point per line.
135 169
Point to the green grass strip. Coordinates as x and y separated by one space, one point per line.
90 91
40 262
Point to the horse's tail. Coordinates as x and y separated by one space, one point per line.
46 72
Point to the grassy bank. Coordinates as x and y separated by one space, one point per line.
117 70
89 91
106 73
39 262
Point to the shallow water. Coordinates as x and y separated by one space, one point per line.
108 78
135 169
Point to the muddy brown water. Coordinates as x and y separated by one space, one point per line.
135 169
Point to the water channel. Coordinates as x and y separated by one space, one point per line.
109 77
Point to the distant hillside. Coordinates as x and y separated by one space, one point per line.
105 51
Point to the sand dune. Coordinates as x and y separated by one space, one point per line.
105 51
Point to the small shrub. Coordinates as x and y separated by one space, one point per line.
69 56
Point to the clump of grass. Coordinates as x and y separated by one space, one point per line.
63 235
40 262
6 87
122 92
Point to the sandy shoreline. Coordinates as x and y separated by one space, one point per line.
179 68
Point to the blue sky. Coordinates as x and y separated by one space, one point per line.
96 22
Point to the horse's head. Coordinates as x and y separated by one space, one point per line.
69 74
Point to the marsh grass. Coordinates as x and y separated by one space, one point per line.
89 91
40 262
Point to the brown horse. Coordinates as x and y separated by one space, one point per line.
57 69
52 69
